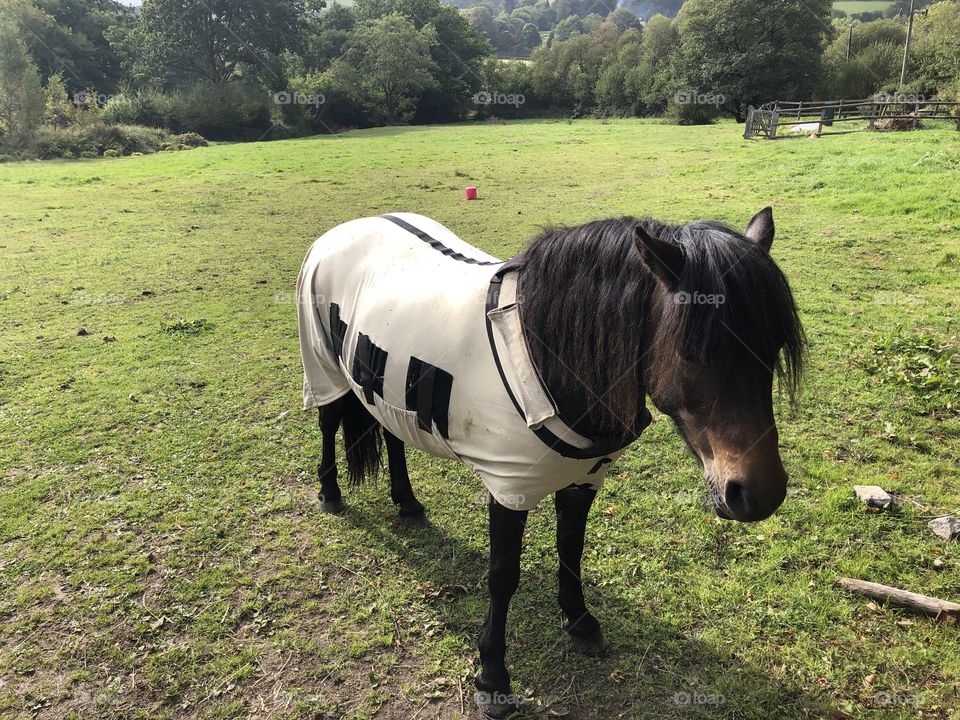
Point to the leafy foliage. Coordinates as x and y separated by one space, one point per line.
392 65
21 97
936 51
93 140
925 365
68 37
57 107
218 68
750 51
177 41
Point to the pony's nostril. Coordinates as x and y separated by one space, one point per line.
734 497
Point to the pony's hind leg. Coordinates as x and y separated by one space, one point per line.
573 506
411 511
331 500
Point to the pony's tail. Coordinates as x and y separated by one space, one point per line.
363 439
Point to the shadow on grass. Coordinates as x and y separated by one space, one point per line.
667 674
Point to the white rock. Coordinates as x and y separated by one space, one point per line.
873 495
946 528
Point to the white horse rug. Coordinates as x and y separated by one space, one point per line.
426 329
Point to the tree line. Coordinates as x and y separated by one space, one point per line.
248 69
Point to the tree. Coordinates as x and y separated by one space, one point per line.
563 9
89 21
547 16
57 107
565 74
624 19
394 65
936 50
326 36
591 22
174 41
649 8
529 37
511 81
751 51
876 52
651 78
21 97
566 29
57 40
618 93
458 53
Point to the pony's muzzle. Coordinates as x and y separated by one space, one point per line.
744 504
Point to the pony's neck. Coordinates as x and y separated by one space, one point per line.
585 307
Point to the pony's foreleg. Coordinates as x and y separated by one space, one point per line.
411 511
573 505
331 500
506 537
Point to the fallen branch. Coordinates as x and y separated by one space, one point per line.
940 609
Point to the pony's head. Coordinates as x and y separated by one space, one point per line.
721 323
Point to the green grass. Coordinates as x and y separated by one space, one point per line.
161 550
858 6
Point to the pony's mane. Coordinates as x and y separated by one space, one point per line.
586 296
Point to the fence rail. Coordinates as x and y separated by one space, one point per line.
767 119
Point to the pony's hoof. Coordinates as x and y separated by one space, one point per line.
594 646
417 520
333 507
496 706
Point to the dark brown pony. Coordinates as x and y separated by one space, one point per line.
696 317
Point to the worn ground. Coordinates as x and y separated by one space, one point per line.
161 550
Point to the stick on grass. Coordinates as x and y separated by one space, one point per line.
941 609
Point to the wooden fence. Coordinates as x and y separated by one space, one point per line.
767 119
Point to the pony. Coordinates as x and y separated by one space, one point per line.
536 372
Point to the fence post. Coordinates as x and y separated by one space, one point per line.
748 129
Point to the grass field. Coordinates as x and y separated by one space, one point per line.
858 6
161 550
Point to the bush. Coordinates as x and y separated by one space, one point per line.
691 113
55 142
189 139
95 140
231 111
120 109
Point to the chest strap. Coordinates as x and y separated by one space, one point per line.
522 381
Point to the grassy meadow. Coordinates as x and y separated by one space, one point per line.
858 6
162 554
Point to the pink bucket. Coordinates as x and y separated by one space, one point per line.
470 193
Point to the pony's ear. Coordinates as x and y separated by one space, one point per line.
662 258
760 229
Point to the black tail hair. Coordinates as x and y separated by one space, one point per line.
363 439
